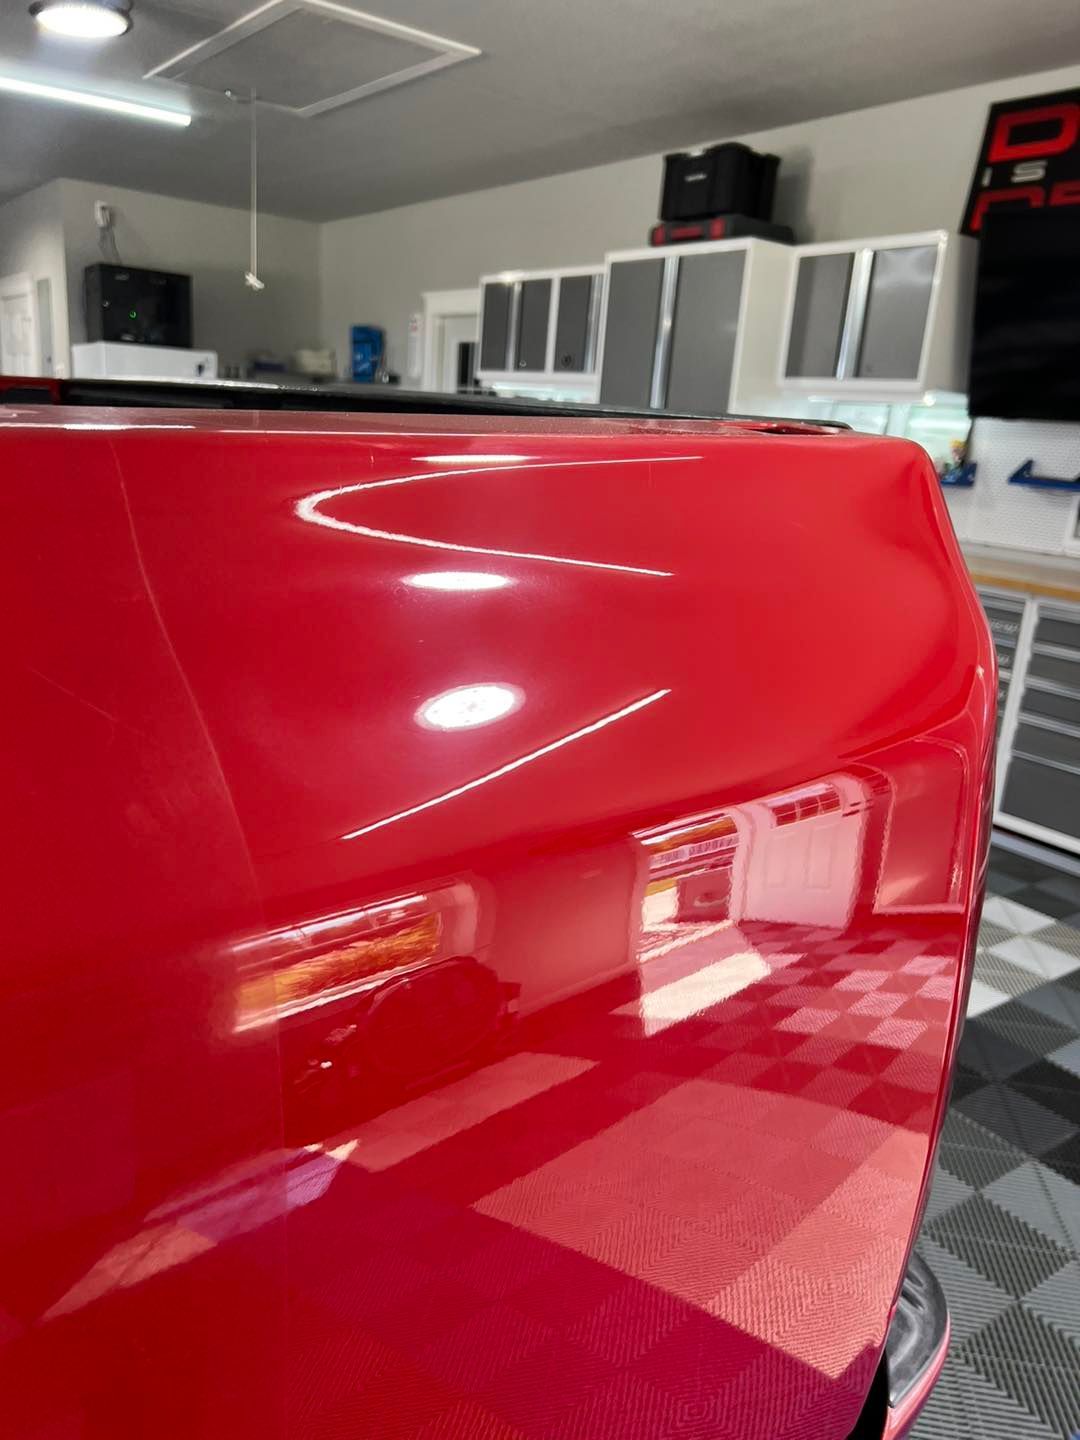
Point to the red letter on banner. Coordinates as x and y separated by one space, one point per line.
1003 147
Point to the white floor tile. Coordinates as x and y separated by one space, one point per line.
1032 955
983 997
1022 919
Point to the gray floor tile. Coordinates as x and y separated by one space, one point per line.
967 1406
1012 1255
946 1191
1020 1121
1031 1360
1056 1002
1057 1299
1067 1056
974 1154
974 1301
1065 1195
1023 1193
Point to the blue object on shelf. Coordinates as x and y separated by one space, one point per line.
960 475
367 352
1025 475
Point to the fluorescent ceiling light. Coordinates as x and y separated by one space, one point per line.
91 101
83 19
457 580
472 458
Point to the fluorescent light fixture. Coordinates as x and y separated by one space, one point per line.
91 101
457 580
468 705
83 19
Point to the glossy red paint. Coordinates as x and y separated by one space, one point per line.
488 914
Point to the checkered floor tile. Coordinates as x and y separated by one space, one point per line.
1002 1229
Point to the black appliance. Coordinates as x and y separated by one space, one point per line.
725 179
1025 350
720 227
143 307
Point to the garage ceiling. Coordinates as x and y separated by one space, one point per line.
557 85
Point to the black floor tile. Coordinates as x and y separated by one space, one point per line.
1065 1159
1057 906
988 1053
965 1081
1036 1033
1048 1084
1022 1120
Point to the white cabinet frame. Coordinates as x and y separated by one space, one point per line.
946 341
549 374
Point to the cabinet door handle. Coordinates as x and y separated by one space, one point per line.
1025 475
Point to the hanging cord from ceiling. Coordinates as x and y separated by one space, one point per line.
251 279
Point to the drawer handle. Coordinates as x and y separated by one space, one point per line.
1025 475
1062 765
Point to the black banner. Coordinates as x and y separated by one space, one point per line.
1030 157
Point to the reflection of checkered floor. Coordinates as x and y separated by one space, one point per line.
1002 1231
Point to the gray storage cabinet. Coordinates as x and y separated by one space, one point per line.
694 328
540 325
890 315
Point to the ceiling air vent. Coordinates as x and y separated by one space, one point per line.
311 56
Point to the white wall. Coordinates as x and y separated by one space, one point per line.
893 168
32 242
210 243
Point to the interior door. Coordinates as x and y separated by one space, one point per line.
703 332
18 326
457 330
633 313
897 308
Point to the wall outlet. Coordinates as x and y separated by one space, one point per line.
103 215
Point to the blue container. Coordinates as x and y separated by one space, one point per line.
367 352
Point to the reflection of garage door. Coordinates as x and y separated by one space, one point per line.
804 859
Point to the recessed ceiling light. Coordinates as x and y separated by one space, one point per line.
468 705
83 19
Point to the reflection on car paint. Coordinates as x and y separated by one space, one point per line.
591 1089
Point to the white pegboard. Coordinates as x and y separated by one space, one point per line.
961 503
993 512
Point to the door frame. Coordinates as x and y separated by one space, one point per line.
12 287
438 306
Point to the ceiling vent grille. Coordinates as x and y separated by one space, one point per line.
311 56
